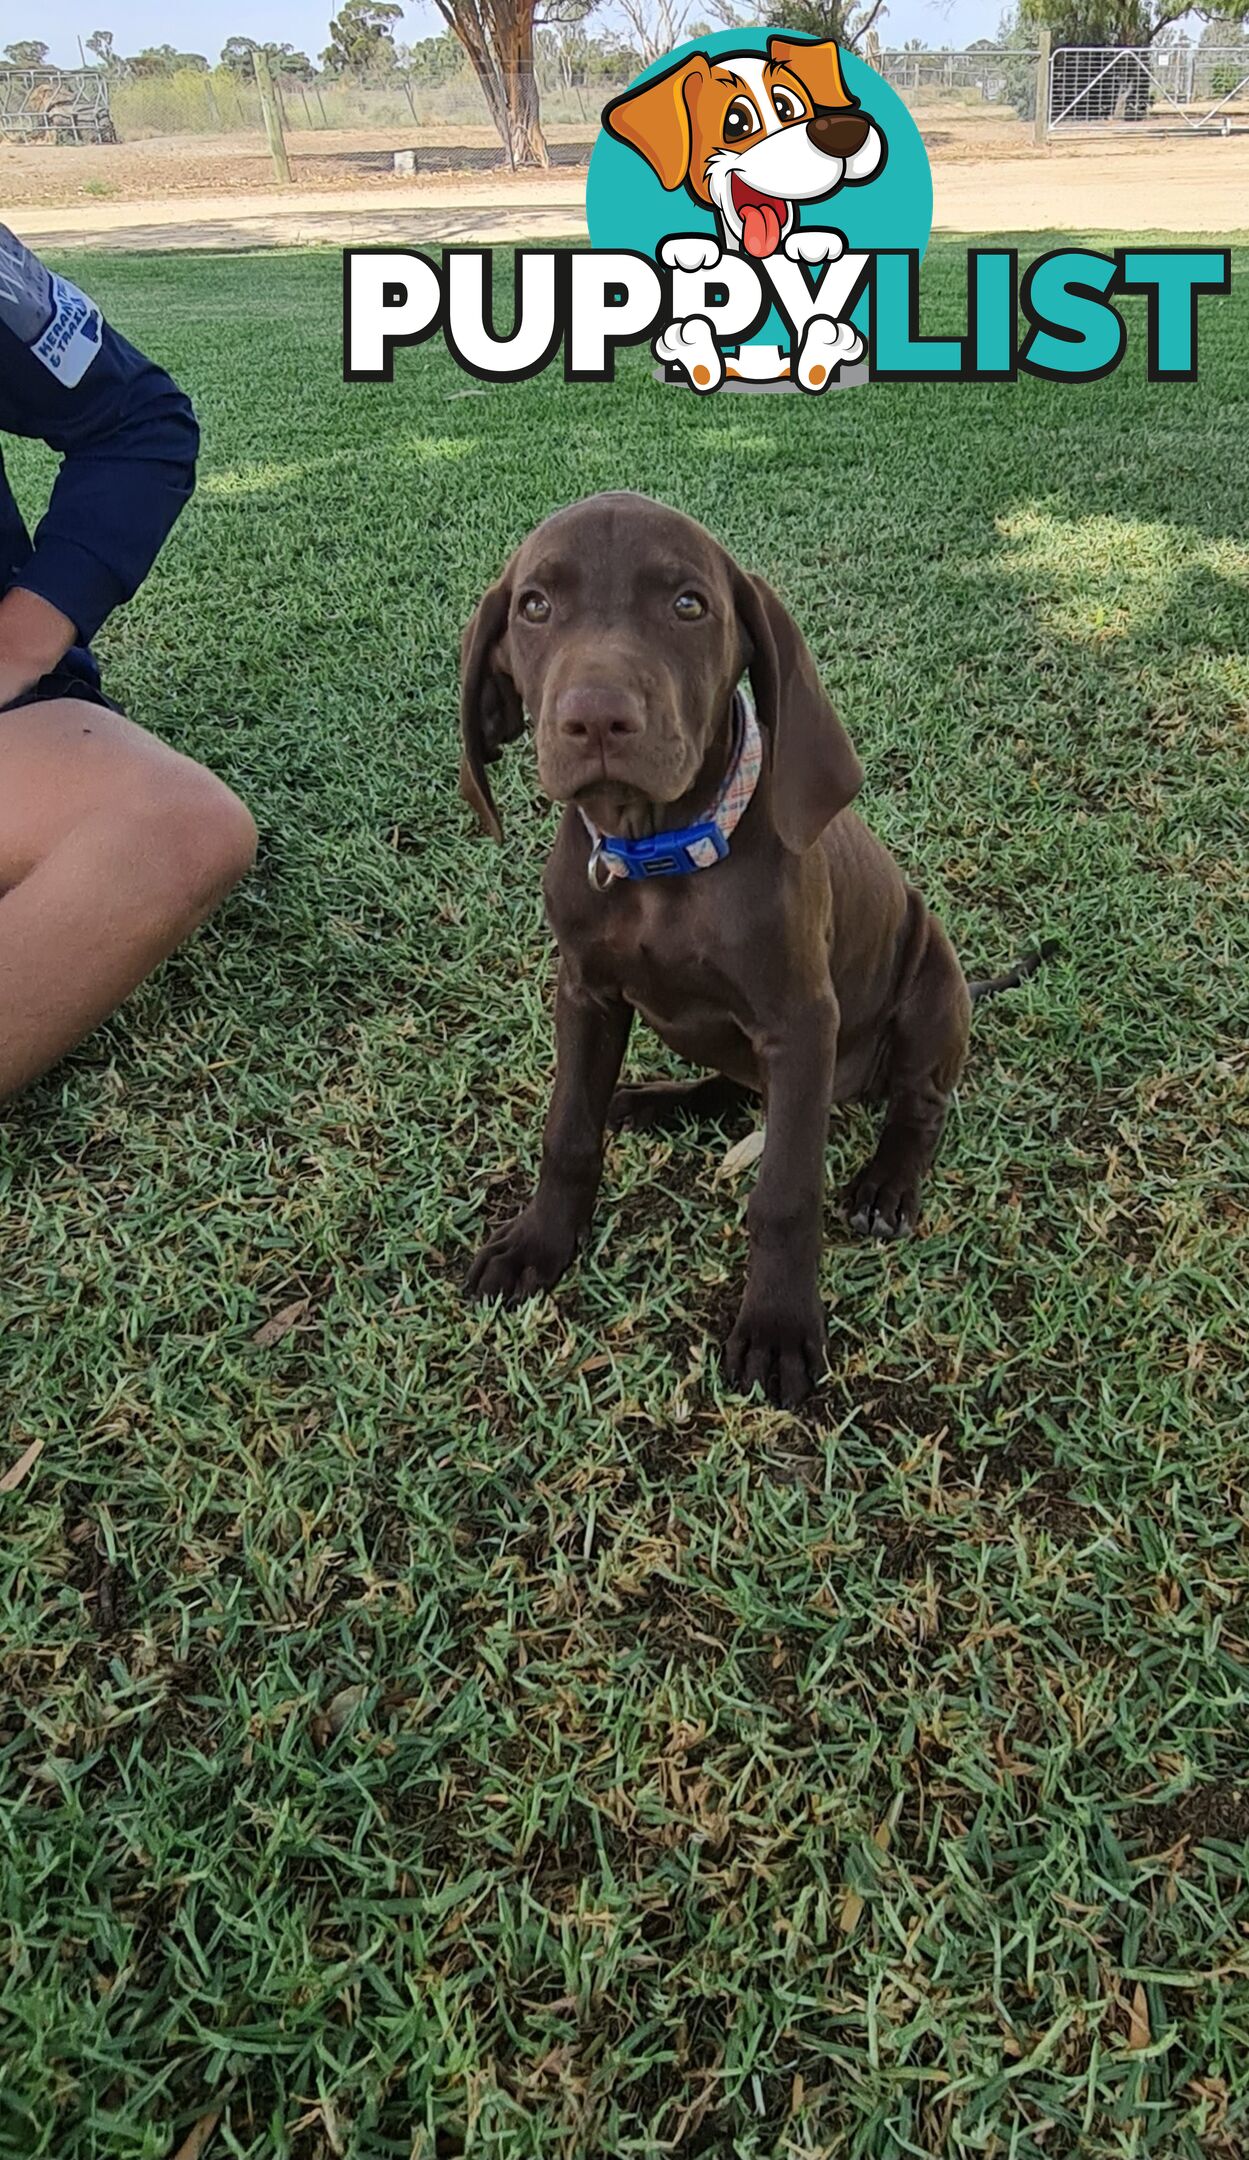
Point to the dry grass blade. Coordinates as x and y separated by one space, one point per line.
851 1912
13 1476
281 1324
196 2140
852 1903
742 1154
337 1715
1139 2033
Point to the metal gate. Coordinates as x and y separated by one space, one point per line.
55 105
1202 89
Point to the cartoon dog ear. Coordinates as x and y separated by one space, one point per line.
817 67
655 119
491 711
815 771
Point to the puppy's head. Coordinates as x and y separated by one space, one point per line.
752 134
623 628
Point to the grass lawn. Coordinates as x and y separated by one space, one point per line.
429 1733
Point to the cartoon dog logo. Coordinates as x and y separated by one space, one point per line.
751 136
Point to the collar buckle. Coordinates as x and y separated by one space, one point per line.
690 848
595 864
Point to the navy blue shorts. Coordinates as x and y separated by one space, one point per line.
59 685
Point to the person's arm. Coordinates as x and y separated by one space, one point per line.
128 442
34 639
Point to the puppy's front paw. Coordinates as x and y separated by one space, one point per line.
520 1261
883 1202
691 346
691 251
814 246
826 346
779 1348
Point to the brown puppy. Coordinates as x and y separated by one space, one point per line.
801 967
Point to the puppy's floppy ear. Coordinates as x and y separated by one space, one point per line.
815 771
817 66
655 120
491 712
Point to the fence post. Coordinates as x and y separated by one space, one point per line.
272 117
1041 127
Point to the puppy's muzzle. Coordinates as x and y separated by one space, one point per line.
596 721
838 134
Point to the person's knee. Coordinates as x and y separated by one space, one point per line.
195 837
232 840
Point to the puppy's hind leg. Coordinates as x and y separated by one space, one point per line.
674 1102
928 1047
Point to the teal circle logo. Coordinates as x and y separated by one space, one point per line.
752 145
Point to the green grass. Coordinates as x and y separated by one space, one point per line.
435 1733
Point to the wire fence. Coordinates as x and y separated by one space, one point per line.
996 81
221 101
1198 88
1201 87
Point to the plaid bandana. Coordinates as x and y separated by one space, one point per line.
690 847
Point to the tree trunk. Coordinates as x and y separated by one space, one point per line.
502 58
526 142
463 22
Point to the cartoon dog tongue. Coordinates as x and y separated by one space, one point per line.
761 227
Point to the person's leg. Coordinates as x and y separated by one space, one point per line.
112 848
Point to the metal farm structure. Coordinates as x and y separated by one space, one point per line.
1194 89
1182 88
55 105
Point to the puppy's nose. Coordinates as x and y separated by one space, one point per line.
839 134
597 717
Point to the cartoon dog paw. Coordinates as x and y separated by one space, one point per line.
826 346
814 246
691 251
691 346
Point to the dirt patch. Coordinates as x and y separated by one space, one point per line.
989 176
1219 1811
907 1549
166 168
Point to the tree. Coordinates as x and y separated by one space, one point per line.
165 60
1223 31
100 43
361 39
27 53
432 60
843 21
1118 22
238 56
568 56
498 37
656 25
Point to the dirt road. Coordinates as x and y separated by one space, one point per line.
990 179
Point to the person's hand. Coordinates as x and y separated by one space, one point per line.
34 639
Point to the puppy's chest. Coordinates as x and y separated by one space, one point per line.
659 951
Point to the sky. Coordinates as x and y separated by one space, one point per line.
204 25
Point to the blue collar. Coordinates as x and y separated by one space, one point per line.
688 847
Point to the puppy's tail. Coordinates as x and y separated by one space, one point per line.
1011 980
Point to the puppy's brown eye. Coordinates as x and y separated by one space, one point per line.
741 119
787 106
689 607
535 608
